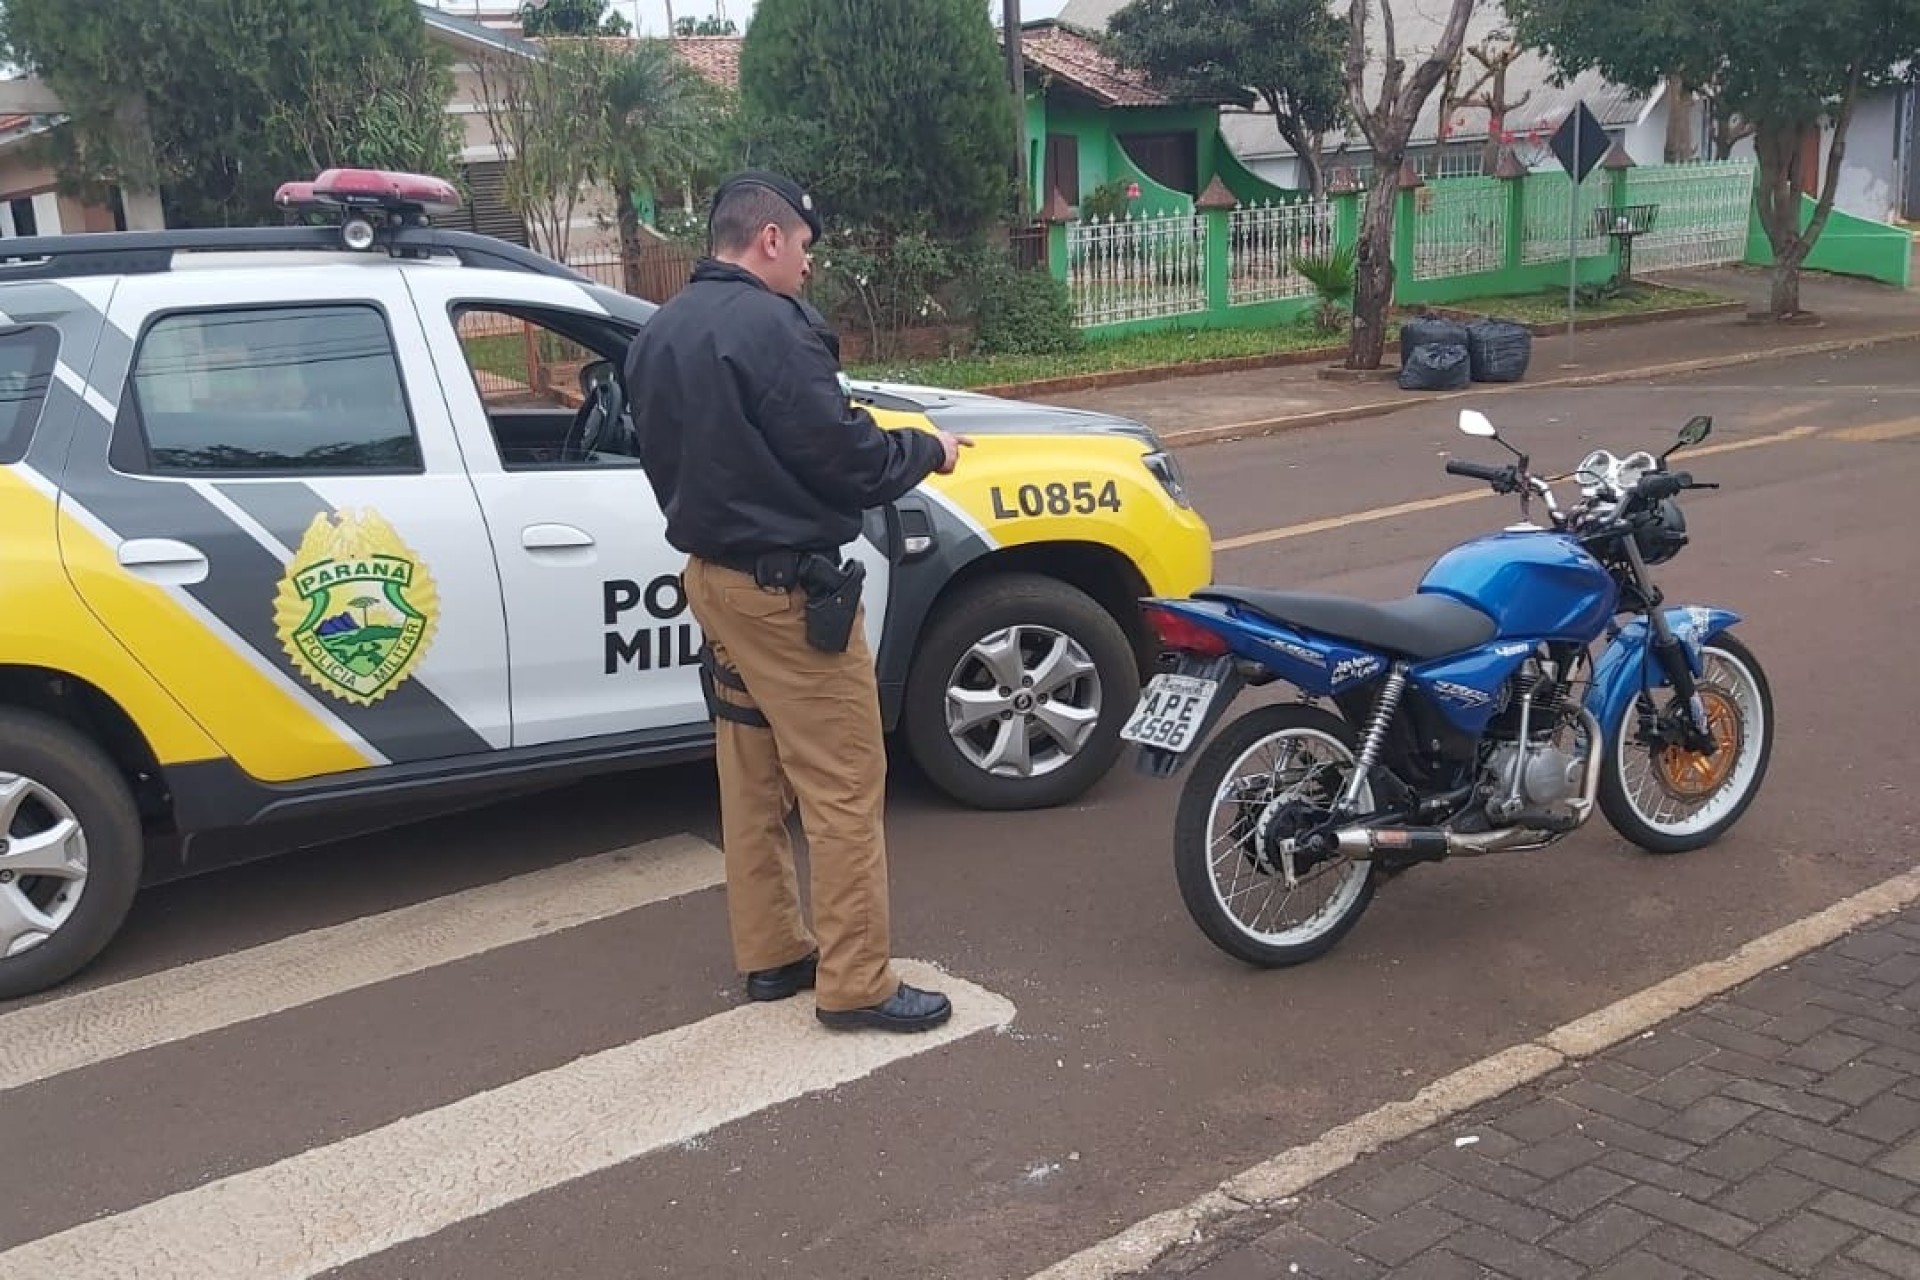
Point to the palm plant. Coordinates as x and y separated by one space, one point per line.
660 132
1331 275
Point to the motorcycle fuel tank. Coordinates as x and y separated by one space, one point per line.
1534 583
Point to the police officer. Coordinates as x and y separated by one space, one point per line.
763 469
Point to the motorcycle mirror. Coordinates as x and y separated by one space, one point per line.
1475 423
1697 429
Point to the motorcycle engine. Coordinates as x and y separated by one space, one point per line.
1543 774
1545 768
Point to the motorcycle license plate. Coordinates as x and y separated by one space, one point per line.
1170 712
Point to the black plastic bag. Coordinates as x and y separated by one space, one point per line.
1436 366
1498 350
1422 330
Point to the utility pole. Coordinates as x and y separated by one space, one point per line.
1017 82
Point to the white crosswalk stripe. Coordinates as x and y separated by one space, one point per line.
94 1026
332 1205
350 1199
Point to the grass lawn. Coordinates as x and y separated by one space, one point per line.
1102 355
1188 346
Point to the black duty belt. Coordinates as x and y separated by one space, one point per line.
832 590
781 568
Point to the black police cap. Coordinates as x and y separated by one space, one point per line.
786 188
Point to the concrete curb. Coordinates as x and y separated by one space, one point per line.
1135 1248
1408 400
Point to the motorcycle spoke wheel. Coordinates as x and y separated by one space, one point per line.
1272 766
1669 799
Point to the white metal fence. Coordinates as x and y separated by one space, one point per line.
1460 228
1703 213
1137 268
1544 218
1156 266
1263 241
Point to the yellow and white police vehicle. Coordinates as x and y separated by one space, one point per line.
308 529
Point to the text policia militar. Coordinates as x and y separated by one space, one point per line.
665 637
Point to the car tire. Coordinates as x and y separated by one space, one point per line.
64 764
1045 616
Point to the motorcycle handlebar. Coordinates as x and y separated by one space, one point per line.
1498 476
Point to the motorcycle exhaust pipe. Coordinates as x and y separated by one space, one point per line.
1432 844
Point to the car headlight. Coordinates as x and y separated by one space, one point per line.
1167 471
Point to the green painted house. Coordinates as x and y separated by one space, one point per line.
1091 123
1088 123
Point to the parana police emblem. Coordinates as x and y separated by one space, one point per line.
356 609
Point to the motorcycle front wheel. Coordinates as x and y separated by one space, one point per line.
1669 800
1273 770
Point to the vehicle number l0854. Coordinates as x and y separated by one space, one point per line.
1058 498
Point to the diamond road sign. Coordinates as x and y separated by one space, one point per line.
1592 142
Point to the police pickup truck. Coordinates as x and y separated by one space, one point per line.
313 527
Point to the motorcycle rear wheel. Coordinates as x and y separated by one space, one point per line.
1676 801
1199 829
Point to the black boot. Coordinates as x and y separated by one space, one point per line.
778 984
908 1009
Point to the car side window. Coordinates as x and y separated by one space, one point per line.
311 388
550 384
27 353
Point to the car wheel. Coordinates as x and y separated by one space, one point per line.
70 852
1017 693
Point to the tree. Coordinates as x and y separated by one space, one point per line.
210 104
910 135
1387 122
571 18
551 128
1284 53
388 113
1782 69
1496 56
661 122
708 26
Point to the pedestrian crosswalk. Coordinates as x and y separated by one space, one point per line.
341 1201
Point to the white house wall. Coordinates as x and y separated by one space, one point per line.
1869 184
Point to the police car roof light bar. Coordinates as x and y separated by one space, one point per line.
99 253
374 200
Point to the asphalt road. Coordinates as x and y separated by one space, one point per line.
392 1125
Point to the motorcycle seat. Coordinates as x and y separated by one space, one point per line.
1418 626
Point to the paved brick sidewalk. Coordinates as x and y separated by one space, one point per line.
1771 1132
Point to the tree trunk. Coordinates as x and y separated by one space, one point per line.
1680 109
1373 267
1311 170
628 219
1303 143
1387 124
1779 147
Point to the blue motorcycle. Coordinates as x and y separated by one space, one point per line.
1468 718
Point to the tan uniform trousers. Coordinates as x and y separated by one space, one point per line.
824 748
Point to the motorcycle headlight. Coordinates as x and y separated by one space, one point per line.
1167 471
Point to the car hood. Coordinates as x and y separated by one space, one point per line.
971 413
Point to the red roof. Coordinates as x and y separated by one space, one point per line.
715 57
1074 57
1064 53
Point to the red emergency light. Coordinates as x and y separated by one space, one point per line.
372 197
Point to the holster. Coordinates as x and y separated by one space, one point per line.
719 708
833 600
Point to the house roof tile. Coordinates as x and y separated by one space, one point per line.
1069 55
715 57
1075 57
